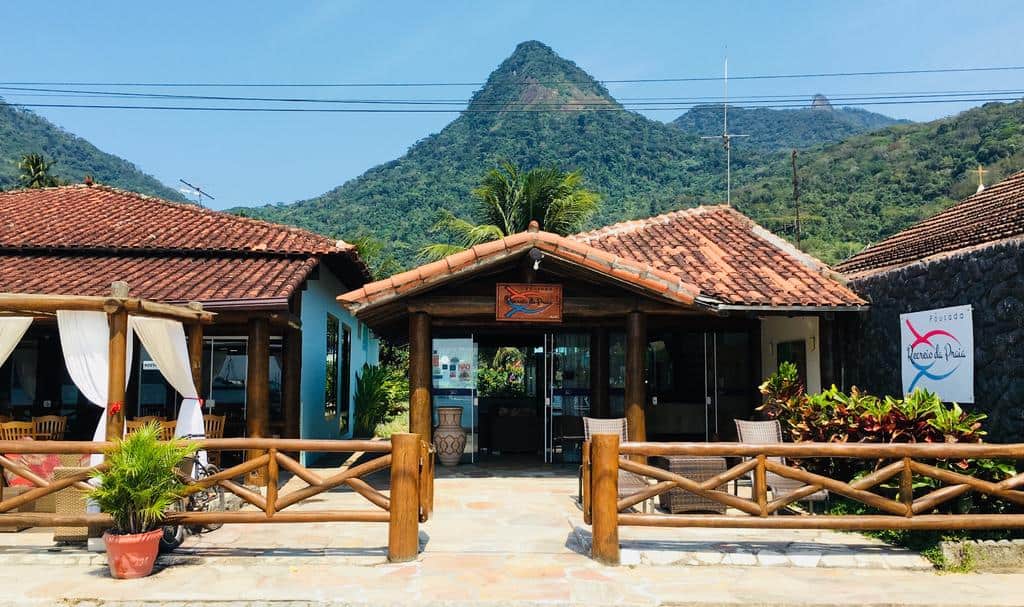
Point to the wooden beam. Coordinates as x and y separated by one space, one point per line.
49 304
117 352
599 363
420 348
636 384
195 354
257 389
584 307
292 383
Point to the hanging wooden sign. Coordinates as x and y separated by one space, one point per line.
523 302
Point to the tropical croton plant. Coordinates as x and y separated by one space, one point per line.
835 416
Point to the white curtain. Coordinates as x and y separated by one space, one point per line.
164 340
84 338
12 329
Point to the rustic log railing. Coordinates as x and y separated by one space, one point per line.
410 500
605 511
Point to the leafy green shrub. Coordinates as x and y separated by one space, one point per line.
920 417
381 393
140 482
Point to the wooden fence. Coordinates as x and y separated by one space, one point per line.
410 500
604 457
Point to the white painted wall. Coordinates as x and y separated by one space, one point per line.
776 329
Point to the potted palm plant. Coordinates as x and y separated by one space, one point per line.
136 489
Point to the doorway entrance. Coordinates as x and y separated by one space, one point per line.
522 395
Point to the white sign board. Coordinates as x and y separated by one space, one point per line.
937 351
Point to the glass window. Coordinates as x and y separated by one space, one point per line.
331 367
18 377
346 375
794 352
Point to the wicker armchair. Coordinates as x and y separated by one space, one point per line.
50 427
769 432
629 483
16 430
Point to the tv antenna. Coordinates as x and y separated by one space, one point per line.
726 136
196 190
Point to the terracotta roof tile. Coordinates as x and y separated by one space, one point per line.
727 256
99 217
996 213
160 278
630 271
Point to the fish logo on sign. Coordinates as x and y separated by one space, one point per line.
527 302
935 354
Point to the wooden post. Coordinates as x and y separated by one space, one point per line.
273 474
257 390
604 478
420 345
599 372
761 485
404 522
195 354
907 486
292 377
636 385
117 353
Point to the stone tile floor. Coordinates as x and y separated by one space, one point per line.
498 537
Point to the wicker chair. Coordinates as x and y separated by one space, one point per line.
770 432
51 427
16 430
629 483
213 426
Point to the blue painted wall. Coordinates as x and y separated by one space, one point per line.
318 300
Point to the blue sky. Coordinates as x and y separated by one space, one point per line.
264 158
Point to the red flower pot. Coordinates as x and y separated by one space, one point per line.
132 556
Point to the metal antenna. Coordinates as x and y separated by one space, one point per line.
726 137
198 192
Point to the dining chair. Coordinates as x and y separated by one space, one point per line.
50 427
16 430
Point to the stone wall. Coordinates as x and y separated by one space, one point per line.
991 279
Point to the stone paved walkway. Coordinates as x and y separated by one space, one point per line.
499 536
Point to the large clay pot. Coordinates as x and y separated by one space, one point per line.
132 556
449 437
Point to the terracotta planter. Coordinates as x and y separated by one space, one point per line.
132 556
449 437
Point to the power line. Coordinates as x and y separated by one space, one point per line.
800 99
566 107
945 70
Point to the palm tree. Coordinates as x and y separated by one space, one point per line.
508 199
35 171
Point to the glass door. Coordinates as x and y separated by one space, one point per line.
454 377
567 396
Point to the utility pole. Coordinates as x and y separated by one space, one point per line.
726 137
796 198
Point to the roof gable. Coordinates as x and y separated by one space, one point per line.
994 214
636 276
728 256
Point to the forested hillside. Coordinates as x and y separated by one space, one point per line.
865 188
853 192
23 132
523 114
772 129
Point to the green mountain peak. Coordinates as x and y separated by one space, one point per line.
535 77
